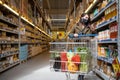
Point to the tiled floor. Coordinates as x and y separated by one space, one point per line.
37 68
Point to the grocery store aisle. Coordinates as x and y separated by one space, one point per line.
36 68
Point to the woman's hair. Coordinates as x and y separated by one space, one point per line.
82 15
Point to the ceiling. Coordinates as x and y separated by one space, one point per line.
57 10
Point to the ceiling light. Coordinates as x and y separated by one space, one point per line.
58 19
91 6
9 8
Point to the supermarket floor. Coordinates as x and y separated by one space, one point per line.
37 68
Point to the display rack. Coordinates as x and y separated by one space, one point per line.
103 10
102 22
20 33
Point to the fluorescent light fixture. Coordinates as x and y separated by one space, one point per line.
58 19
91 6
1 2
42 31
9 8
27 21
35 26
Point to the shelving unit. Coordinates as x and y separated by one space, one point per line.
105 24
9 66
21 36
108 41
103 10
104 76
107 60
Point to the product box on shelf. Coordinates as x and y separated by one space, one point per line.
113 30
104 3
24 8
6 2
15 4
1 14
109 70
111 12
104 35
12 18
36 50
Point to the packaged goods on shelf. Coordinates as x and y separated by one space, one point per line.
15 5
6 1
111 12
104 35
113 30
12 18
104 3
24 7
107 51
36 50
1 14
28 28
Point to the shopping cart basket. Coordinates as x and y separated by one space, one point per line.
71 57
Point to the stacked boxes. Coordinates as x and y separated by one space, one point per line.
36 50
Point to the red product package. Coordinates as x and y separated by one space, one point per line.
76 58
63 58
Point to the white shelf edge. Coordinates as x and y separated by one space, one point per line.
113 20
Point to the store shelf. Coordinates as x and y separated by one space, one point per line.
8 21
14 32
106 22
107 60
8 53
11 65
23 18
101 74
103 10
8 42
107 41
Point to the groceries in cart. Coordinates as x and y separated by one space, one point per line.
73 61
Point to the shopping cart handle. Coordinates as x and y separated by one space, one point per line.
87 35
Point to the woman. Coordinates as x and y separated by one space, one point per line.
86 24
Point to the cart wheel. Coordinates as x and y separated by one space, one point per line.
80 77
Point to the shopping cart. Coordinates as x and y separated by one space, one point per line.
71 57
